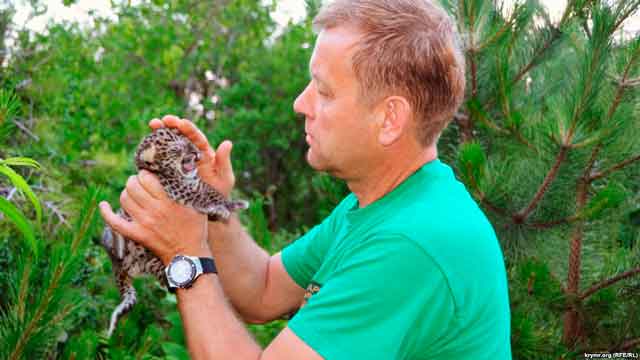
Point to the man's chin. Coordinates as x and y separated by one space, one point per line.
316 163
319 164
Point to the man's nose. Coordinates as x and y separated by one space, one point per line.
302 103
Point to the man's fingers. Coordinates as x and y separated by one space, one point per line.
197 137
223 157
150 183
172 121
134 209
188 129
117 223
156 124
139 193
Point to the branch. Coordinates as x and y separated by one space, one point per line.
555 35
553 172
54 209
605 283
536 57
26 130
550 224
615 167
628 344
630 82
625 16
622 86
483 199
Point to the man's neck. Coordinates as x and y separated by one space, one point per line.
388 175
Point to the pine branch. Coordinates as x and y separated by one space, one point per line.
605 283
626 15
555 35
537 56
490 206
467 133
40 311
21 300
474 72
618 166
572 322
56 279
628 344
630 82
521 216
622 86
482 197
550 224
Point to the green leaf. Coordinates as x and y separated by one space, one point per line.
175 351
19 182
21 222
20 161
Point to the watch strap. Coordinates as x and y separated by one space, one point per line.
208 265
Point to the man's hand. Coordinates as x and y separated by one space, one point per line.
214 167
158 223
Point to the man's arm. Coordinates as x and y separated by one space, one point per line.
257 284
213 332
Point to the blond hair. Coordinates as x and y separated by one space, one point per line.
409 48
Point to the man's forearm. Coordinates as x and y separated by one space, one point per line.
242 266
211 328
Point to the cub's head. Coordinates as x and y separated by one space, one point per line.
167 152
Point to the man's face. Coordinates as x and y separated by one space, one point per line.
338 125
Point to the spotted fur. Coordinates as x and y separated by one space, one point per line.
172 157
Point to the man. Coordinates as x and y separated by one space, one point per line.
406 267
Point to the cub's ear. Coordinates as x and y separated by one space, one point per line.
146 157
148 154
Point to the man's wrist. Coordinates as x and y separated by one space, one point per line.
203 252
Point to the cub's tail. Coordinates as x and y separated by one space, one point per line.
128 296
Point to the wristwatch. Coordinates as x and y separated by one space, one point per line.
183 271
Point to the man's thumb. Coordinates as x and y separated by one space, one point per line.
223 156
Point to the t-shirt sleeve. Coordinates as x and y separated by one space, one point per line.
303 257
387 300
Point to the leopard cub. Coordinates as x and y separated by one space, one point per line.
173 159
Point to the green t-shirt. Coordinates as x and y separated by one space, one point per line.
418 274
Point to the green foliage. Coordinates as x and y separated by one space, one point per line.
610 197
11 211
472 163
40 302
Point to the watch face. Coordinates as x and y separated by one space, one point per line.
182 270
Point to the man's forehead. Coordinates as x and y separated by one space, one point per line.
333 51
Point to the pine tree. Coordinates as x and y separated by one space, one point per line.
40 299
547 142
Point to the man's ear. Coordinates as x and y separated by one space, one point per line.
396 121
